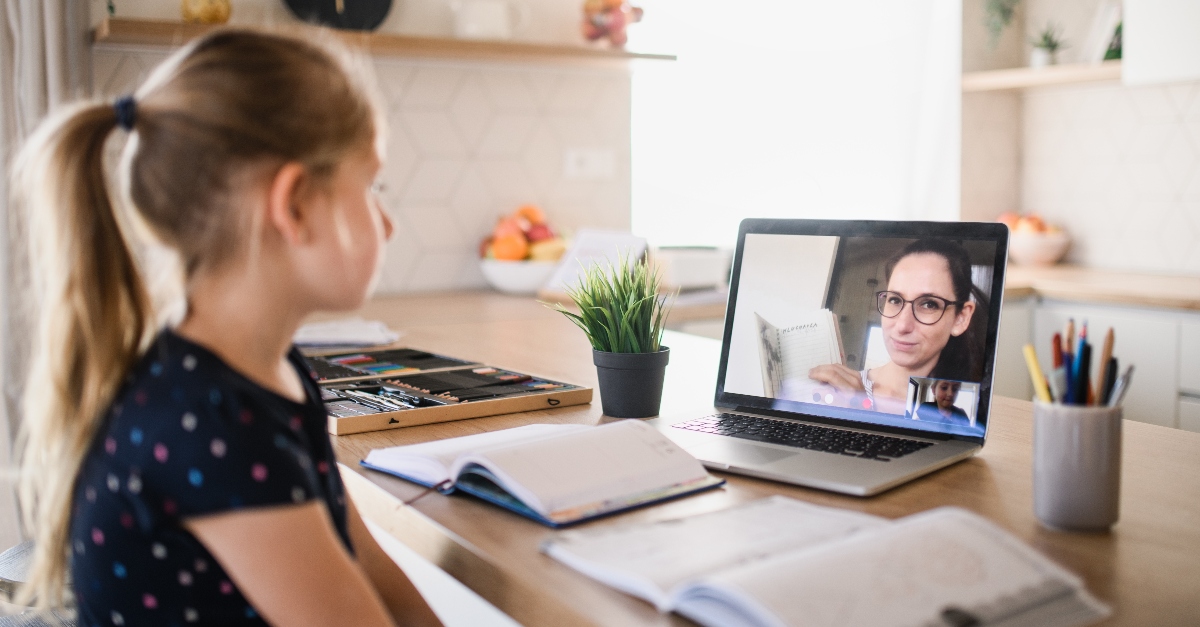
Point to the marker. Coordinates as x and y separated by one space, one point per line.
1035 374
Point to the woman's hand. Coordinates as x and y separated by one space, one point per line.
846 381
291 565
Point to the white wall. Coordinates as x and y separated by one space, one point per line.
781 274
794 109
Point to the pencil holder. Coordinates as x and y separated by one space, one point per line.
1076 466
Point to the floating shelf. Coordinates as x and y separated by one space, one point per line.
1022 78
167 33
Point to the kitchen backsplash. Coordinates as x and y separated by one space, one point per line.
1119 168
468 142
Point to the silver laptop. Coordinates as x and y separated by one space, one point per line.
857 355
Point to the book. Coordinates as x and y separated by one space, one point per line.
779 561
400 387
555 474
787 354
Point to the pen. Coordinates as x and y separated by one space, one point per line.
1035 374
1110 379
1082 380
1121 387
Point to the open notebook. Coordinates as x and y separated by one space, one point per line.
555 474
778 561
787 354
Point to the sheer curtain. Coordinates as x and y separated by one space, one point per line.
44 62
809 108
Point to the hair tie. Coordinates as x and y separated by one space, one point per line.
126 109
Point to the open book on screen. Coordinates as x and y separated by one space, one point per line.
554 474
778 562
810 339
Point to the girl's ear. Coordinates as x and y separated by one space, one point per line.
962 319
287 203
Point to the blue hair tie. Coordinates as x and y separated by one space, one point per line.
126 109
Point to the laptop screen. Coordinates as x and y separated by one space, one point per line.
888 323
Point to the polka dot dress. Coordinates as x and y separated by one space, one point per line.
188 436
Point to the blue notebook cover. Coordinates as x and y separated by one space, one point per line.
480 483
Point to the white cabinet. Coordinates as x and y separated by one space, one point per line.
1146 338
1189 413
1012 377
1189 358
1160 42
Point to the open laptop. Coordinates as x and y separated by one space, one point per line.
856 355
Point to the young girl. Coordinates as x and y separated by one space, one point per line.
184 475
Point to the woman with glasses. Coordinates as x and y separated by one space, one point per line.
927 313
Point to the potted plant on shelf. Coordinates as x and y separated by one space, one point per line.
623 315
1045 47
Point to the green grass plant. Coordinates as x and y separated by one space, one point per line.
620 309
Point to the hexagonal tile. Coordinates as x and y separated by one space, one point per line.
437 270
1181 95
1191 188
508 90
1149 141
506 135
542 84
472 203
392 77
543 158
508 181
1152 103
471 110
400 160
575 93
1177 160
432 181
434 133
434 227
432 86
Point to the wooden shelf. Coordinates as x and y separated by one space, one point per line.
1022 78
166 33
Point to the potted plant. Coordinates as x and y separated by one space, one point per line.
622 314
1045 47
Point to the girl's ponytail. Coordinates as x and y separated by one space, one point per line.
93 315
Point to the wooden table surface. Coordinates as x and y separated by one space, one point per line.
1147 567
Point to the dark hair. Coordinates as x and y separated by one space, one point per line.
962 357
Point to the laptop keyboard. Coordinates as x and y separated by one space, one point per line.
840 441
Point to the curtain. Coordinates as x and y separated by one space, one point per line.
45 61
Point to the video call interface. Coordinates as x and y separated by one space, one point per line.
894 329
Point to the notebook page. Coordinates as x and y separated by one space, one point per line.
649 561
593 465
906 573
430 461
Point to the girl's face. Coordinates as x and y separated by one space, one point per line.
945 393
354 229
911 344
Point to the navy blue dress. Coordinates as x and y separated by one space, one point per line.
187 436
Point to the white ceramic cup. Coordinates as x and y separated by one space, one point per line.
1076 466
489 19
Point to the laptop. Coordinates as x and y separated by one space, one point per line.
857 355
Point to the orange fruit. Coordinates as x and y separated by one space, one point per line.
531 213
512 247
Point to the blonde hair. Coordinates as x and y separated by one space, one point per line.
228 101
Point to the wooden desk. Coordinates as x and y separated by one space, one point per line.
1147 568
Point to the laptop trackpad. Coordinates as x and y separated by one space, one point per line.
741 454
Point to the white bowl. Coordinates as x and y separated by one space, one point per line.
1037 249
517 277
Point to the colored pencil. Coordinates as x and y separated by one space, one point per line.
1105 355
1035 374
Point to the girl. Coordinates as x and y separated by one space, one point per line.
185 476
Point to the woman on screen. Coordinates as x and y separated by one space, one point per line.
927 314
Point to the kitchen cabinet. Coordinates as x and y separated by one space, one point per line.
1159 40
1147 338
1016 330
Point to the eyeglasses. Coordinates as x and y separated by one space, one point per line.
926 309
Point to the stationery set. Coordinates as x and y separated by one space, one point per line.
392 387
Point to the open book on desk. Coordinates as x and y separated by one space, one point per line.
786 354
555 474
778 561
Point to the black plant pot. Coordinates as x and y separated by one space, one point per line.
631 384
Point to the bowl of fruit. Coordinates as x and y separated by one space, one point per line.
521 253
1033 242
